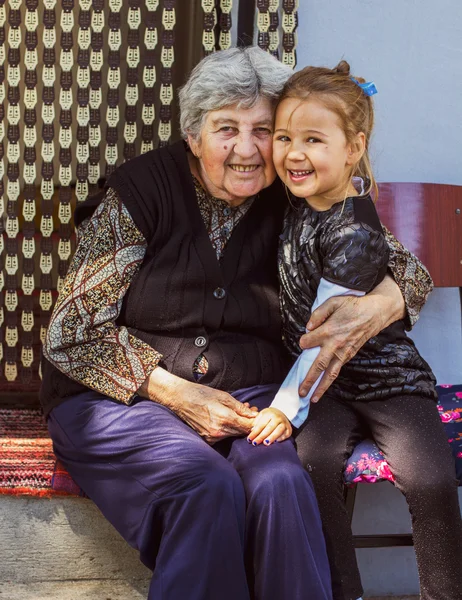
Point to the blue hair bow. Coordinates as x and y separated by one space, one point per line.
368 88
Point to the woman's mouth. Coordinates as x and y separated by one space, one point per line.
298 176
244 168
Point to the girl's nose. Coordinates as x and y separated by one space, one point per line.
295 153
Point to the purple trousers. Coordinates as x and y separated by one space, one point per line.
228 522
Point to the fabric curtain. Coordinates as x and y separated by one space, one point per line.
84 86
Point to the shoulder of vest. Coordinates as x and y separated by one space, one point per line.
148 182
142 165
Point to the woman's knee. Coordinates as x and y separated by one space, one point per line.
277 479
217 479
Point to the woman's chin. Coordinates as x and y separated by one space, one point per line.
246 189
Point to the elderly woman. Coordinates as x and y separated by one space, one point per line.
167 329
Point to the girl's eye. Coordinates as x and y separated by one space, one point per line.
282 138
313 140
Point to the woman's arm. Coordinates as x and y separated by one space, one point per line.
83 340
411 276
214 414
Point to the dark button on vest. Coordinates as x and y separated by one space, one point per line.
200 341
219 293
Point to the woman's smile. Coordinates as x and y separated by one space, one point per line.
243 169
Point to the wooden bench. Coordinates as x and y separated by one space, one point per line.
427 219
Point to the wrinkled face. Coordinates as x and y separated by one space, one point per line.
234 151
311 153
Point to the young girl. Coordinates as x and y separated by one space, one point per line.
333 244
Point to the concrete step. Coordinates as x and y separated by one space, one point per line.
96 590
74 590
63 549
62 539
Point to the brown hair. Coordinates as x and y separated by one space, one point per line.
337 90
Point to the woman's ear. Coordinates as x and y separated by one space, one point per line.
194 145
356 148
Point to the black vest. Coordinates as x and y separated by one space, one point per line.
183 301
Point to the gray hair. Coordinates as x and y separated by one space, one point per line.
235 76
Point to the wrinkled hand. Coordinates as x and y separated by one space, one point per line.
340 326
270 425
214 414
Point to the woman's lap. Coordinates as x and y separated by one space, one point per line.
146 444
134 461
134 454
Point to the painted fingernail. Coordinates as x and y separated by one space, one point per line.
267 441
254 443
249 440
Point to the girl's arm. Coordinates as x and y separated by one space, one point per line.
354 259
288 399
343 325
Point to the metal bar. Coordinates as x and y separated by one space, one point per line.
349 494
245 23
383 541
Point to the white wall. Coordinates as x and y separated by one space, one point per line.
412 50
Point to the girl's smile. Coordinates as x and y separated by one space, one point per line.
311 153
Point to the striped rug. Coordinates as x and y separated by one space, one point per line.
27 463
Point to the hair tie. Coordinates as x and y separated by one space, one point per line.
368 88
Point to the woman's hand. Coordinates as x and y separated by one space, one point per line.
214 414
270 425
341 325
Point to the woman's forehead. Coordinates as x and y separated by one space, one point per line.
259 114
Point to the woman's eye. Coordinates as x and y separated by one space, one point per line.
226 128
262 131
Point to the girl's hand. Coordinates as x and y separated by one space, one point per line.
270 425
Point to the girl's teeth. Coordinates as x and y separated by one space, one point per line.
300 173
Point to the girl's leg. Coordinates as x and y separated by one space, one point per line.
324 445
409 432
285 549
167 492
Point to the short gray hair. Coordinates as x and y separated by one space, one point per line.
235 76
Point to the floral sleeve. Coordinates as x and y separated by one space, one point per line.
412 277
83 340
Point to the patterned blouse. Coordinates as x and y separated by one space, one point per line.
84 340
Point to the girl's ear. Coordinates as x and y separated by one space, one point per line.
194 145
356 148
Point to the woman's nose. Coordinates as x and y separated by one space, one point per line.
245 145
